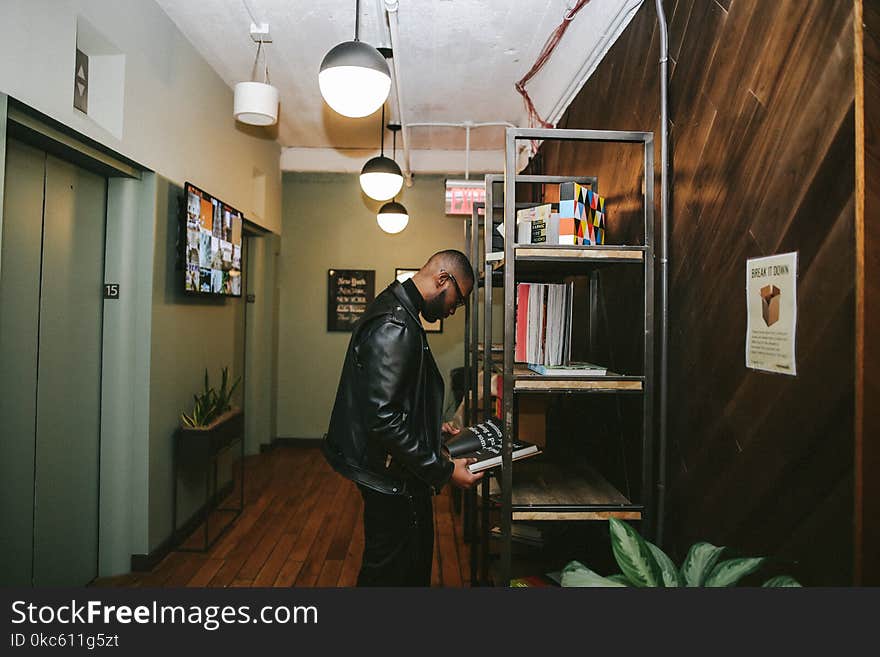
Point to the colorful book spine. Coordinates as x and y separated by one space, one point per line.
522 322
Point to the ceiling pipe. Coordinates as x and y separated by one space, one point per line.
391 9
467 150
467 125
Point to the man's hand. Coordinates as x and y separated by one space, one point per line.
450 428
461 476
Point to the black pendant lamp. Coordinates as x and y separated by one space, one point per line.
381 178
392 216
354 77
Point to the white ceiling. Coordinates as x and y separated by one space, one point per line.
458 61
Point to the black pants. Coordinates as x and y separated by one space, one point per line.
398 539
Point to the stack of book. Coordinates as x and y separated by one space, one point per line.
543 323
580 220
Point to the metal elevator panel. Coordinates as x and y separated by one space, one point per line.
56 314
20 256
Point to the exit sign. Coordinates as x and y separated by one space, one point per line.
462 194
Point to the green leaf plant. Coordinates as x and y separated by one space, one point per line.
211 403
643 564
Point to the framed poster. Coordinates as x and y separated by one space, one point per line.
430 327
771 309
349 292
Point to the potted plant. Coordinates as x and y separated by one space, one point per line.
644 564
212 407
211 427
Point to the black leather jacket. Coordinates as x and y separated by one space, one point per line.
385 427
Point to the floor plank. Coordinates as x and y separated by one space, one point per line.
302 525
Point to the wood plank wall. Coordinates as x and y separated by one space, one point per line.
868 293
762 137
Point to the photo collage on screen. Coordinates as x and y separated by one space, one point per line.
213 245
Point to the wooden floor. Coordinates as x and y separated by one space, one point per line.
302 525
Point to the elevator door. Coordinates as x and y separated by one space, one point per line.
51 275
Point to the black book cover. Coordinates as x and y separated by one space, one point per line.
483 442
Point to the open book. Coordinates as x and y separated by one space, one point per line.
483 442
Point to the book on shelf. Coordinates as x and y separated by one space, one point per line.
572 369
483 442
532 224
541 225
587 208
543 323
580 220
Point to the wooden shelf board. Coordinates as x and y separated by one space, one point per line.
551 253
538 486
555 261
576 515
526 380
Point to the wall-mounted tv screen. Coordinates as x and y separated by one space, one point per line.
213 245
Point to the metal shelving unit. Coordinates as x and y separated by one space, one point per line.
546 491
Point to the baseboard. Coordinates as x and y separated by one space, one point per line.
146 562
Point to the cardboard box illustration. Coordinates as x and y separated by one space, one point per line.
770 299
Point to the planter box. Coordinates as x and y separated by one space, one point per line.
202 445
225 429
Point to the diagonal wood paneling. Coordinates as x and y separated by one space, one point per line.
867 483
763 142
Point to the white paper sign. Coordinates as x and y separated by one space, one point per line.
771 306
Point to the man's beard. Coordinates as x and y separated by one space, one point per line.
435 308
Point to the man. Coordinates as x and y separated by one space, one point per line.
385 429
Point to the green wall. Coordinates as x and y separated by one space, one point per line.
328 223
188 335
261 326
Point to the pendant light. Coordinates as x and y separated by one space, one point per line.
354 77
256 103
392 216
381 178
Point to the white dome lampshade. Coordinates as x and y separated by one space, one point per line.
381 178
354 79
392 217
256 103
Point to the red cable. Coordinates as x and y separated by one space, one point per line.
551 43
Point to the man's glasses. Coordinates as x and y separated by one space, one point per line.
461 300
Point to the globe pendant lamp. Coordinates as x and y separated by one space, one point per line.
354 77
256 103
381 178
392 216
